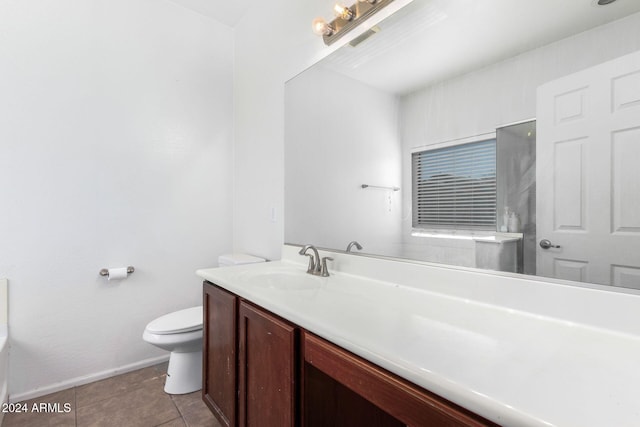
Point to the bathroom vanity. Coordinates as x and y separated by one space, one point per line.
389 343
288 376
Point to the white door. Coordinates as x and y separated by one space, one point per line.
588 174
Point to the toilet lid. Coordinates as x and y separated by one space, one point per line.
186 320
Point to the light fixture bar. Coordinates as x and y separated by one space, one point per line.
347 21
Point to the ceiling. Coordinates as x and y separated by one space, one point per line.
228 12
444 38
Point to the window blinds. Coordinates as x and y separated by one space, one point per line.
455 187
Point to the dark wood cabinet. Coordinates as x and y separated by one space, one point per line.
219 370
262 371
250 363
267 369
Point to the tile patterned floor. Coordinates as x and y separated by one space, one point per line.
134 399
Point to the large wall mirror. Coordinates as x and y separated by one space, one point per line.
501 135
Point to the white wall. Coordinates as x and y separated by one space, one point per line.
269 37
115 150
340 134
478 102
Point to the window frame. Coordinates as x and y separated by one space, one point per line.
434 230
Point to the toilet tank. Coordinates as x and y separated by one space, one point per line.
238 259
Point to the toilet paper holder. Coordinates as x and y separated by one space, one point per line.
105 271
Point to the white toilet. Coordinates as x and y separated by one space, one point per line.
180 333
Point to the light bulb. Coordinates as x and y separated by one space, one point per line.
321 28
343 12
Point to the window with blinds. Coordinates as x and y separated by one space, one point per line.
455 187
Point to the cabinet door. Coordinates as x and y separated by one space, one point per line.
219 355
267 369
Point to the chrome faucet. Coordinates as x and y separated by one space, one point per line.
316 266
352 244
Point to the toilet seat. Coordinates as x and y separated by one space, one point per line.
186 320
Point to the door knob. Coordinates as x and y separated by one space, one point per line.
546 244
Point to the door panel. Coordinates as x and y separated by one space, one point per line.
626 181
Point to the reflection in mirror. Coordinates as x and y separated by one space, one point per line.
560 194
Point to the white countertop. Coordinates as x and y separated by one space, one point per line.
510 363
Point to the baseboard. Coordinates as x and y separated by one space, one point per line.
86 379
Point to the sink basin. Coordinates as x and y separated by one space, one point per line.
280 278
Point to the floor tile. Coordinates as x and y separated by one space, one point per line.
194 411
174 423
57 409
129 400
146 405
100 390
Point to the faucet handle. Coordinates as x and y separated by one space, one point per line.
312 265
325 272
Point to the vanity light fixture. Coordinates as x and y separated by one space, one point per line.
322 28
347 18
343 12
